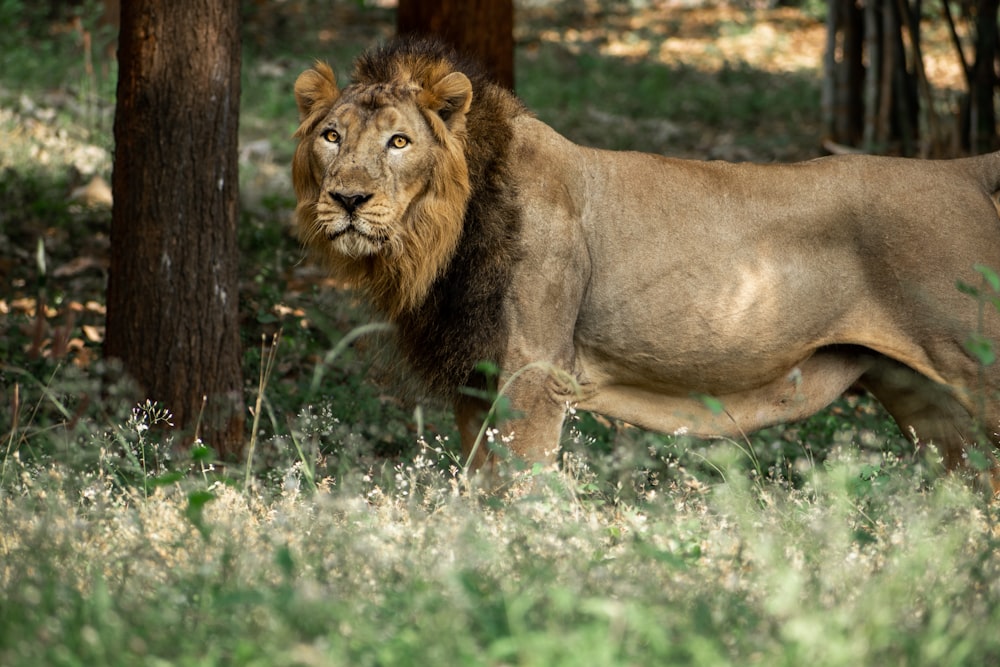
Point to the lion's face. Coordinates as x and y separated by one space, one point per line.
370 162
381 179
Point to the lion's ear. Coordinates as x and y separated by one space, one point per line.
452 96
314 89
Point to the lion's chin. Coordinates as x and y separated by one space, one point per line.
354 244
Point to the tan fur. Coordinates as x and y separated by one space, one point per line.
635 285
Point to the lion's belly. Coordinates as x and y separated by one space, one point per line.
711 369
764 398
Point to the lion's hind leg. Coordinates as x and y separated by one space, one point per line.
930 413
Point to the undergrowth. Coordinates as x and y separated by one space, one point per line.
402 566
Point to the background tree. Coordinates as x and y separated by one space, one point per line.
979 120
172 290
876 95
483 29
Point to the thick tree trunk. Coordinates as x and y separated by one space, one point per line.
172 290
483 29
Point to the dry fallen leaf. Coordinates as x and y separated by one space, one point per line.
96 194
92 333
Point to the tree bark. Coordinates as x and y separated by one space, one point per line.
483 29
844 88
982 135
172 288
852 114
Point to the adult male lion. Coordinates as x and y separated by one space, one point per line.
635 285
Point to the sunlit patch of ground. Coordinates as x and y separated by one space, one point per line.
710 37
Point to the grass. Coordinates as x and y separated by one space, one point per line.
676 110
349 539
839 572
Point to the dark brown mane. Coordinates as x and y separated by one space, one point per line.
462 321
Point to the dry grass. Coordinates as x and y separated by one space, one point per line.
851 569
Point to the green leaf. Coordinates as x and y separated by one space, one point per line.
283 559
714 405
990 276
196 508
966 288
167 478
477 393
870 472
978 460
202 454
488 368
503 409
981 348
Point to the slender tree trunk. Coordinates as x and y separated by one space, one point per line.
172 289
873 100
844 73
905 100
853 72
483 29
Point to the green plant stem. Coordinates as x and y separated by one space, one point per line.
491 413
267 356
338 349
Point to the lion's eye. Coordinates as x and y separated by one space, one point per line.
398 141
331 135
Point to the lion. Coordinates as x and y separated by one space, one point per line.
644 288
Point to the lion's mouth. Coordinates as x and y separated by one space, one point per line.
334 234
351 238
350 229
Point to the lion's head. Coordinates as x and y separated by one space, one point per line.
381 175
405 190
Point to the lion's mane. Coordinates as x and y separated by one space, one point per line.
447 299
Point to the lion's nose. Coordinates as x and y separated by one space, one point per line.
350 202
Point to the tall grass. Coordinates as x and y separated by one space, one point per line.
847 570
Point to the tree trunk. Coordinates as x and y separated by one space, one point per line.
852 114
872 98
844 73
172 289
483 29
982 135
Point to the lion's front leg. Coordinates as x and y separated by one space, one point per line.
527 428
470 415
